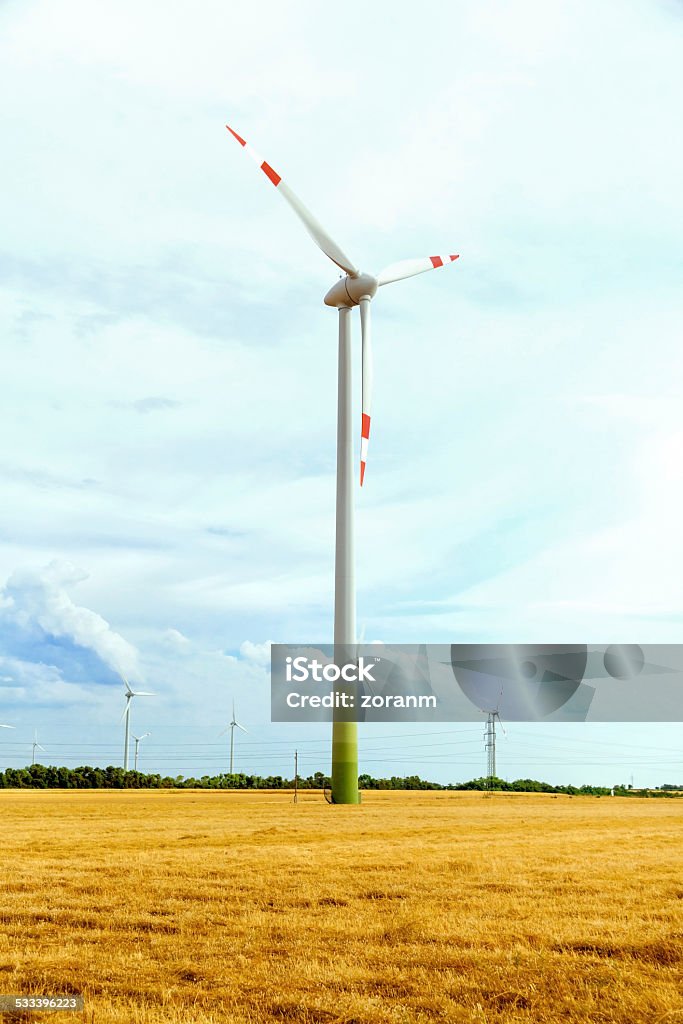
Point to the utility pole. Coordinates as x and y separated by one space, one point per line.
296 777
490 744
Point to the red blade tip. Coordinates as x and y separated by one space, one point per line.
238 137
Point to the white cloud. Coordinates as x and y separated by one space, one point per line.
259 654
39 598
177 641
34 684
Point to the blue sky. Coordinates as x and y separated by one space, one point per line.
168 416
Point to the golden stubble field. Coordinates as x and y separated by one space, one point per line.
196 907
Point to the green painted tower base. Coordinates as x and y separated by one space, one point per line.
345 763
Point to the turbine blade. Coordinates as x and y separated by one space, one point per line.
143 693
7 726
315 230
366 341
409 268
125 712
241 727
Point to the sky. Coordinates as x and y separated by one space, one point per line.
168 365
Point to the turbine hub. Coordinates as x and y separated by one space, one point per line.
350 290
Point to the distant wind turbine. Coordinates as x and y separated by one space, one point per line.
126 714
137 744
35 746
234 724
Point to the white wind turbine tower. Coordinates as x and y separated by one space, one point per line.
355 289
234 724
126 714
138 739
35 746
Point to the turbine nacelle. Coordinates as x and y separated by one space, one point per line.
348 291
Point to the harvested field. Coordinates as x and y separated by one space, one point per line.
193 907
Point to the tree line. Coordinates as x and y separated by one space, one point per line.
39 776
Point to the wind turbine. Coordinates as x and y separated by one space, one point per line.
126 714
355 289
234 724
137 744
35 746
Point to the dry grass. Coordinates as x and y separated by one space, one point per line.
199 908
